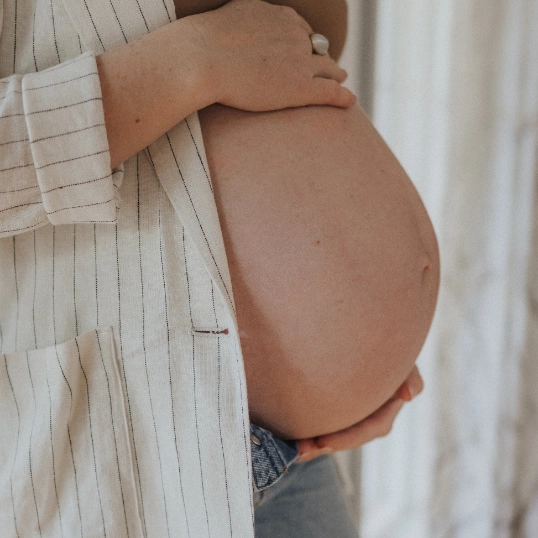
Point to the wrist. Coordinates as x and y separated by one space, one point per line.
150 85
206 60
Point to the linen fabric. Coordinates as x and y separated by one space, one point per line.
122 394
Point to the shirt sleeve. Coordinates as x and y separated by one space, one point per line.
54 153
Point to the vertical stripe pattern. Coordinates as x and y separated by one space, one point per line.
122 392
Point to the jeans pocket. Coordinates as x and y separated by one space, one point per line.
271 457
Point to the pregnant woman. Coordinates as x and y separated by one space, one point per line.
122 390
335 271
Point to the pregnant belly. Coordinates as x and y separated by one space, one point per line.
333 259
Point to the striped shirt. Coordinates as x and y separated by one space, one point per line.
123 405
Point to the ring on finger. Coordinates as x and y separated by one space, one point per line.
320 44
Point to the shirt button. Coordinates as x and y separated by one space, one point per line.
255 440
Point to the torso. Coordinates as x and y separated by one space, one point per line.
333 261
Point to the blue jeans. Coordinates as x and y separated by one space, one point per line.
296 500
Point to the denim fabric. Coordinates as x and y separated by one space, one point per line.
308 502
271 457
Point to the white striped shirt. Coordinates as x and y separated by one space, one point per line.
123 405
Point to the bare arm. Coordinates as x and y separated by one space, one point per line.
148 86
248 54
264 63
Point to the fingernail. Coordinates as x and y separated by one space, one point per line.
413 390
404 392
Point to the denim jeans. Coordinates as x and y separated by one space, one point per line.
296 500
271 457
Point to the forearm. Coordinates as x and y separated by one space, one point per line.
247 55
150 85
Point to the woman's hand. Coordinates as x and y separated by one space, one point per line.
247 54
259 58
378 424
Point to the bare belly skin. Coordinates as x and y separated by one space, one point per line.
333 259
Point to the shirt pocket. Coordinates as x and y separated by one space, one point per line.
65 455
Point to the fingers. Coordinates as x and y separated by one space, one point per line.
329 92
413 385
308 449
379 424
269 43
376 425
326 67
307 455
326 87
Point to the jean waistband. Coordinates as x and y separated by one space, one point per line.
271 457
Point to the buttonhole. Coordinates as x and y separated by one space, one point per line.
209 331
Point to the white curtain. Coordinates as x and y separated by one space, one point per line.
455 95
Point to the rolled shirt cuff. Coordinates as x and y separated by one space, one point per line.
63 108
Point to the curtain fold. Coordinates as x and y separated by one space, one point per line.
456 98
